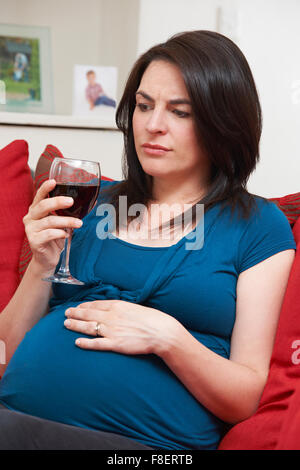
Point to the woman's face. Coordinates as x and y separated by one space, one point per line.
163 126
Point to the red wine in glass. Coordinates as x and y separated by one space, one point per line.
79 179
84 197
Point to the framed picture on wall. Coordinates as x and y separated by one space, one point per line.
94 91
25 69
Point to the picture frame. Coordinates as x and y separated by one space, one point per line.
95 91
25 69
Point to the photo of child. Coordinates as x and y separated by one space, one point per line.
94 91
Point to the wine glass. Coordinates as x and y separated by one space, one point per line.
79 179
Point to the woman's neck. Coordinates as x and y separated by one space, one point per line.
178 191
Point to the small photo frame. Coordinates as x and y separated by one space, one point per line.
94 91
25 69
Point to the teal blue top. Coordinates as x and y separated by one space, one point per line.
138 396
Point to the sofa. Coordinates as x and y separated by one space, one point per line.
276 423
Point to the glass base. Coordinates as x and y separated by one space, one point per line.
64 279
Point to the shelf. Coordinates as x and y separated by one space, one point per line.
55 121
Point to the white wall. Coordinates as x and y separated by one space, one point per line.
271 42
159 19
119 36
104 146
268 33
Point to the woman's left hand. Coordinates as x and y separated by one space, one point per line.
124 327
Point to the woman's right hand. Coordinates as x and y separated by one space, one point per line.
45 231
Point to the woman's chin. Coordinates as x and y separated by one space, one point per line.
157 171
158 174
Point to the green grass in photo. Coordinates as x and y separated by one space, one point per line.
23 83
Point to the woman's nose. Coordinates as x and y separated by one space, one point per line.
157 122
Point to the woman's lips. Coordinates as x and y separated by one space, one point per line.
154 149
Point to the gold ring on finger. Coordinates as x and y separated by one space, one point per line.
97 329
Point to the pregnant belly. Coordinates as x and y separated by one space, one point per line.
136 396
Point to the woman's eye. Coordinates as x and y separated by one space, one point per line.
181 114
143 106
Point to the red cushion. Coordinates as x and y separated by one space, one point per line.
267 428
41 175
290 205
289 438
16 190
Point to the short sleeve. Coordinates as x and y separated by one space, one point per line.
268 232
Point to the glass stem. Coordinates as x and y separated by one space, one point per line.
64 267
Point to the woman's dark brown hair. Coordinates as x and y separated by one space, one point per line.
226 112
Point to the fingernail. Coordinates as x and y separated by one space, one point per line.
67 312
78 223
67 323
68 199
77 342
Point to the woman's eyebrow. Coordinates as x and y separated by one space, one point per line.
180 101
147 97
175 101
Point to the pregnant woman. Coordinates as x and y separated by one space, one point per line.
169 340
